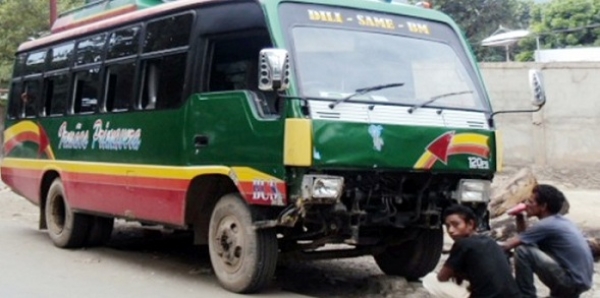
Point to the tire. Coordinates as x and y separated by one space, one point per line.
415 258
243 258
66 228
100 230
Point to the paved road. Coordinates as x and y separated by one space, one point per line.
137 263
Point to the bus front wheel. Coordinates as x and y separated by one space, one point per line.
415 258
243 258
66 228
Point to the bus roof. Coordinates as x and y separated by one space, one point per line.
99 10
112 21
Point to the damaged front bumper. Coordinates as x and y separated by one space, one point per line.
316 190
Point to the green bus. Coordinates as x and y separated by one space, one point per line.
269 128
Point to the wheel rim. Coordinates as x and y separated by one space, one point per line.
229 240
58 214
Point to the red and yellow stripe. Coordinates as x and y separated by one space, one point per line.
27 131
463 143
155 193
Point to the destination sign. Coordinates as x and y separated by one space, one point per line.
363 20
331 16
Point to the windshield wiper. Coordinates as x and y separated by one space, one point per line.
431 100
362 91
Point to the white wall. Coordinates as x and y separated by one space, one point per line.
566 133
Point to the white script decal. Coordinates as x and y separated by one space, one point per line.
72 139
104 137
116 139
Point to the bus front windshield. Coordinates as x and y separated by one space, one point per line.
336 62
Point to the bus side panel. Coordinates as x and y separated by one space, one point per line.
23 181
133 196
115 163
137 198
25 145
237 136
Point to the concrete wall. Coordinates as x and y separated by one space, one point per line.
566 132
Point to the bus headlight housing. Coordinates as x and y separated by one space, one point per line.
322 188
473 191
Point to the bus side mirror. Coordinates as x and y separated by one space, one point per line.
536 84
274 70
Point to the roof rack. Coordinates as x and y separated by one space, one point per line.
99 10
423 4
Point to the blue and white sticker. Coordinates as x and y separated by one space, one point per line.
375 132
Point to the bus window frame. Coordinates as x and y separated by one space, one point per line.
73 69
19 65
38 77
265 103
25 69
75 64
143 60
105 88
144 31
14 98
135 58
140 35
45 79
73 89
70 60
143 57
76 68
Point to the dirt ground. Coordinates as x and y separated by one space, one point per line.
353 278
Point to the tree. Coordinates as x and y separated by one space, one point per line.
21 20
563 24
480 18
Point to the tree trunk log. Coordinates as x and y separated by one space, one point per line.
511 192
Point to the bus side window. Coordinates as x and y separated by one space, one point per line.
119 86
87 86
56 94
90 50
48 92
150 85
19 67
168 33
60 56
163 80
123 43
234 66
14 100
30 98
35 63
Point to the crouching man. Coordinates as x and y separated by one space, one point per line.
553 248
475 258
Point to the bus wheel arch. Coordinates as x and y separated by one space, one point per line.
202 196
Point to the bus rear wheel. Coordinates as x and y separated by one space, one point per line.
66 228
415 258
243 258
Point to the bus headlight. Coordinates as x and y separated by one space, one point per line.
322 188
471 190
